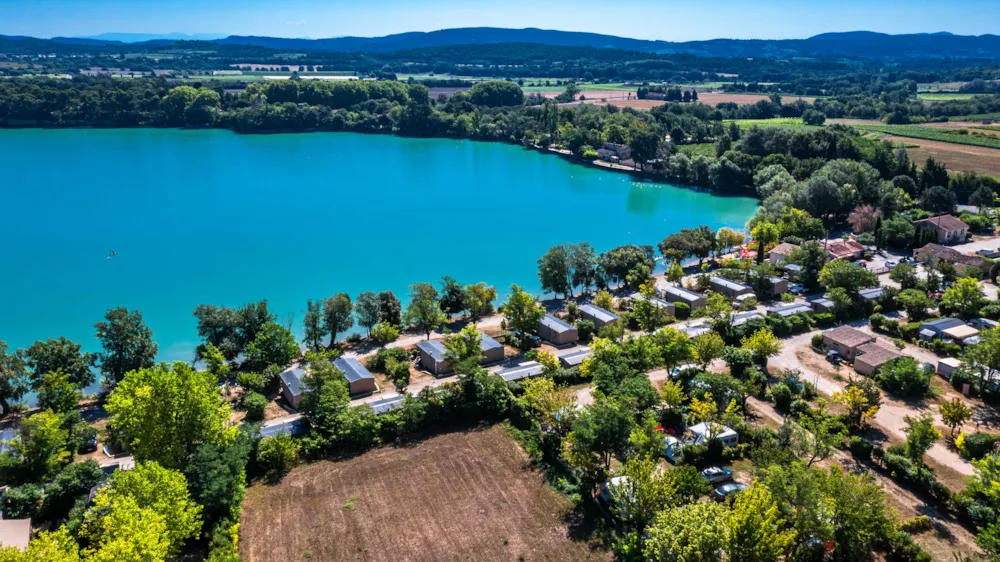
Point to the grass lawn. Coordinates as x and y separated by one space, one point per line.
457 496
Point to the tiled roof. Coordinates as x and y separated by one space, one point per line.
848 336
877 355
943 222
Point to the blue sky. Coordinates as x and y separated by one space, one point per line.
646 19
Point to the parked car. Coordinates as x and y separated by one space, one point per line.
797 288
890 264
988 253
678 370
535 340
716 474
833 357
727 490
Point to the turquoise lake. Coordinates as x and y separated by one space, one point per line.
216 217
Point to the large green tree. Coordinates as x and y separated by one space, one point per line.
14 381
60 355
521 311
126 342
554 271
274 345
161 490
424 312
337 316
312 325
166 412
695 532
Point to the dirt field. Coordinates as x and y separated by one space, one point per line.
458 496
958 157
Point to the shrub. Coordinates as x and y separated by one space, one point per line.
22 502
861 448
799 407
905 377
898 465
585 329
817 341
904 549
877 320
977 445
682 310
916 524
255 403
824 319
572 312
255 382
781 395
379 361
909 330
277 454
991 311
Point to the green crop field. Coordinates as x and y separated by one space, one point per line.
783 122
977 117
945 96
931 133
705 149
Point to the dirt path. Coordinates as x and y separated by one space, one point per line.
947 535
797 354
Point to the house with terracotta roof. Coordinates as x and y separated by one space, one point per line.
844 250
934 253
781 252
946 228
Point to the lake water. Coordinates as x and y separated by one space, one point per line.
216 217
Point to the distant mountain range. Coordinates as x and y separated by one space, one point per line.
853 44
862 44
142 37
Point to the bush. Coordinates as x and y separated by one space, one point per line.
977 445
585 329
572 312
277 454
682 310
909 330
877 320
991 311
861 448
824 319
916 524
781 395
22 502
904 549
255 382
379 361
817 341
799 407
905 377
255 403
898 465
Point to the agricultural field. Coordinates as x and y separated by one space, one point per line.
940 86
978 117
933 134
704 149
783 122
945 96
957 157
457 496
